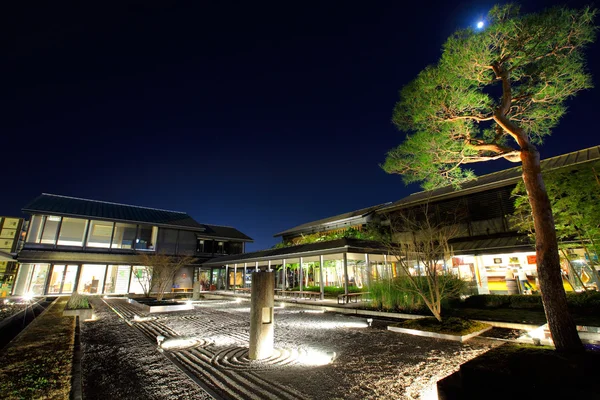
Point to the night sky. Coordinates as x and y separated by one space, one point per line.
256 115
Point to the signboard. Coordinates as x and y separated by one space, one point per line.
531 259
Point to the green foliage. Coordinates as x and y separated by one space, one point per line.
77 301
330 291
449 326
350 233
399 294
574 194
511 79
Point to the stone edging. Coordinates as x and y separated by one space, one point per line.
456 338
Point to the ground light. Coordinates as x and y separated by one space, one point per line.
316 358
480 25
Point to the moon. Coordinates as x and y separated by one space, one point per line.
480 24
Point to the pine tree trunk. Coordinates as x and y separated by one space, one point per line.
560 322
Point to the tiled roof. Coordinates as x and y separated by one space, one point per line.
496 179
351 245
76 207
331 220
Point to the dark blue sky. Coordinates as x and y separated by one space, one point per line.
255 115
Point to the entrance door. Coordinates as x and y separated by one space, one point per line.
62 279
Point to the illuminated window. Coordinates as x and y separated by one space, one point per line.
100 234
124 236
146 239
72 231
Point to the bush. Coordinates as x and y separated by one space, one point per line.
77 301
585 300
331 291
451 325
398 294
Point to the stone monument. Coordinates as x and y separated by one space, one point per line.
261 315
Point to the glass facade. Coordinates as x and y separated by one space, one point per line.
117 279
50 229
124 236
91 278
72 231
100 234
146 238
62 279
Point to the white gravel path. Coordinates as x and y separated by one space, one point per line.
370 363
118 362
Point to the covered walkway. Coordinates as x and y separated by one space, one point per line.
350 264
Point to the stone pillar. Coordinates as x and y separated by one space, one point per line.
196 293
284 286
261 315
368 270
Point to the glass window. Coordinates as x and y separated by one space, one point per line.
117 279
124 236
139 280
50 228
233 248
146 239
62 279
200 246
91 278
72 231
100 234
38 279
209 246
35 229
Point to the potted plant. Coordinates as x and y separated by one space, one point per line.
79 305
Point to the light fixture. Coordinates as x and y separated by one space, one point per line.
480 25
369 321
28 297
160 339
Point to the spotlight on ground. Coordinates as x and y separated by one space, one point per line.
160 339
369 321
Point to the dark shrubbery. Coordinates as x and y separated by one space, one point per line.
331 291
585 301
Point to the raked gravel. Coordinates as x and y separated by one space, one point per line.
370 363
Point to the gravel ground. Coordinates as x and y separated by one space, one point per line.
118 362
370 362
7 310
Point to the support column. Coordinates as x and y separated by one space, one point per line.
368 269
301 273
269 267
261 316
284 276
321 284
346 281
245 272
234 276
227 277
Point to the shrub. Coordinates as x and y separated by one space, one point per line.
450 325
77 301
532 302
487 301
587 300
331 291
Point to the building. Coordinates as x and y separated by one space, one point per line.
93 247
11 234
486 248
488 244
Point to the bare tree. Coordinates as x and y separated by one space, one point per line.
158 272
419 242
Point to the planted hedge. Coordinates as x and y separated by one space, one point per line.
580 301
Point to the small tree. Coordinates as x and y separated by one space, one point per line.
158 272
495 94
419 242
